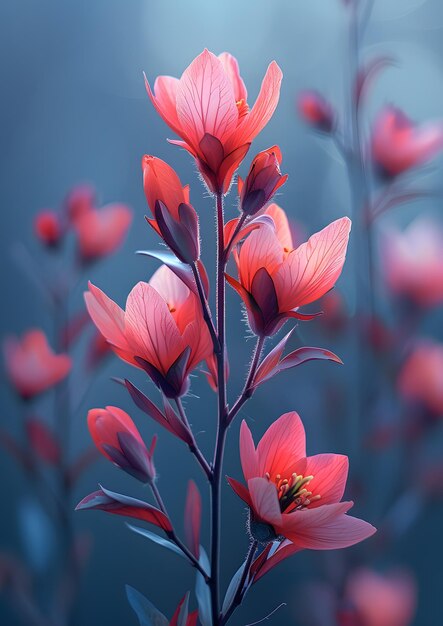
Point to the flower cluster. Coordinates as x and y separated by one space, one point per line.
168 329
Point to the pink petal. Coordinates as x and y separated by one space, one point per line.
109 318
261 249
205 100
264 500
330 473
231 69
314 267
282 445
282 228
164 100
263 108
240 490
325 527
150 328
248 454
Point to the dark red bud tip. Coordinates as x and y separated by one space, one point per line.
316 111
182 235
262 182
48 228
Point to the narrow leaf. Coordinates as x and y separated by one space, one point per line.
181 270
232 588
165 543
202 592
147 613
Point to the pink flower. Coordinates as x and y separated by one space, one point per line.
161 331
175 219
382 599
275 279
399 145
207 107
31 365
316 111
117 438
262 182
413 262
293 496
421 377
48 228
101 231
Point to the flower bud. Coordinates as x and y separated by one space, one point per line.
117 438
176 221
262 182
316 111
48 228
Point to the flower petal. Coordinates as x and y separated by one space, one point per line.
314 267
282 445
263 108
248 454
150 328
205 100
325 528
330 472
264 500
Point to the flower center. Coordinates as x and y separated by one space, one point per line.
293 493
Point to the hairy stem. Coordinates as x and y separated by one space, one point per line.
193 446
207 316
221 418
248 390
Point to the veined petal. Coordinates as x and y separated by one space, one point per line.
314 267
109 319
263 108
282 445
164 100
261 249
205 100
325 528
150 328
282 228
230 66
330 472
264 500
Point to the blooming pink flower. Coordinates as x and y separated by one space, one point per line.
421 377
162 329
275 279
207 107
31 365
294 496
262 182
316 111
101 231
175 219
382 599
399 145
48 227
413 262
117 438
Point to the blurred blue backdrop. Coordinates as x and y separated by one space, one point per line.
74 109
